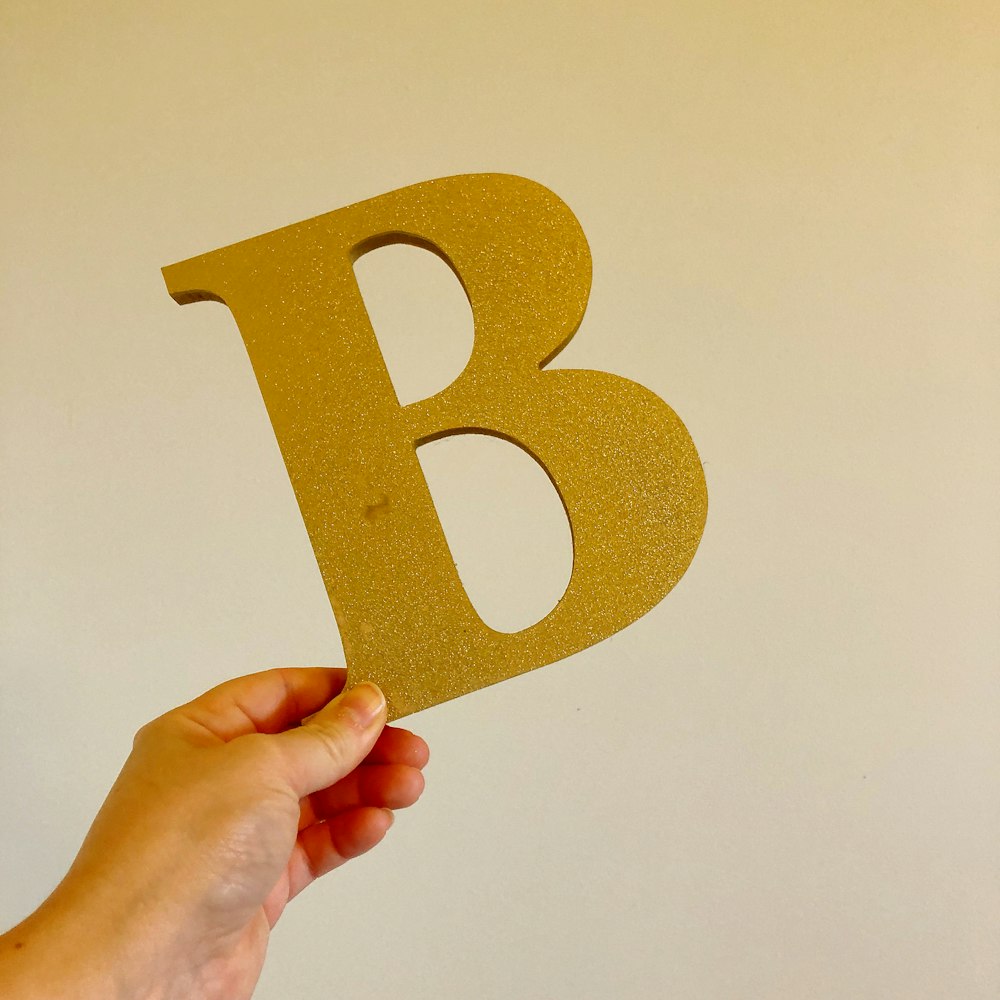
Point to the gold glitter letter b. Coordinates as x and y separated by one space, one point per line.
623 463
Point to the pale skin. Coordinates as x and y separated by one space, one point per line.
226 809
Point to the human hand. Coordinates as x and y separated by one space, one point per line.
225 810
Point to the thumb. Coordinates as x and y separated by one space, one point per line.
331 743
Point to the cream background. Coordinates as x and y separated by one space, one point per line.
781 783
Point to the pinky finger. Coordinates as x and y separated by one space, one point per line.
322 847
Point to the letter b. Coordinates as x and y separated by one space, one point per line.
622 462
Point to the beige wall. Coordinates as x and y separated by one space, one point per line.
781 783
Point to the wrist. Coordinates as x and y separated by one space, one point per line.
43 959
75 949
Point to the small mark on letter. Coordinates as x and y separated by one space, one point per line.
375 510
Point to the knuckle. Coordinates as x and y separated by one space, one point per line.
255 750
338 741
147 733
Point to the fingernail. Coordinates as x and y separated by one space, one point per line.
365 702
391 815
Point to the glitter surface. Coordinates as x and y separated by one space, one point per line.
623 463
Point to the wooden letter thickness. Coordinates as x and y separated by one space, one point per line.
622 462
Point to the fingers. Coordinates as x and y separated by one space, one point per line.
324 846
377 772
334 741
265 702
399 746
389 777
386 786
